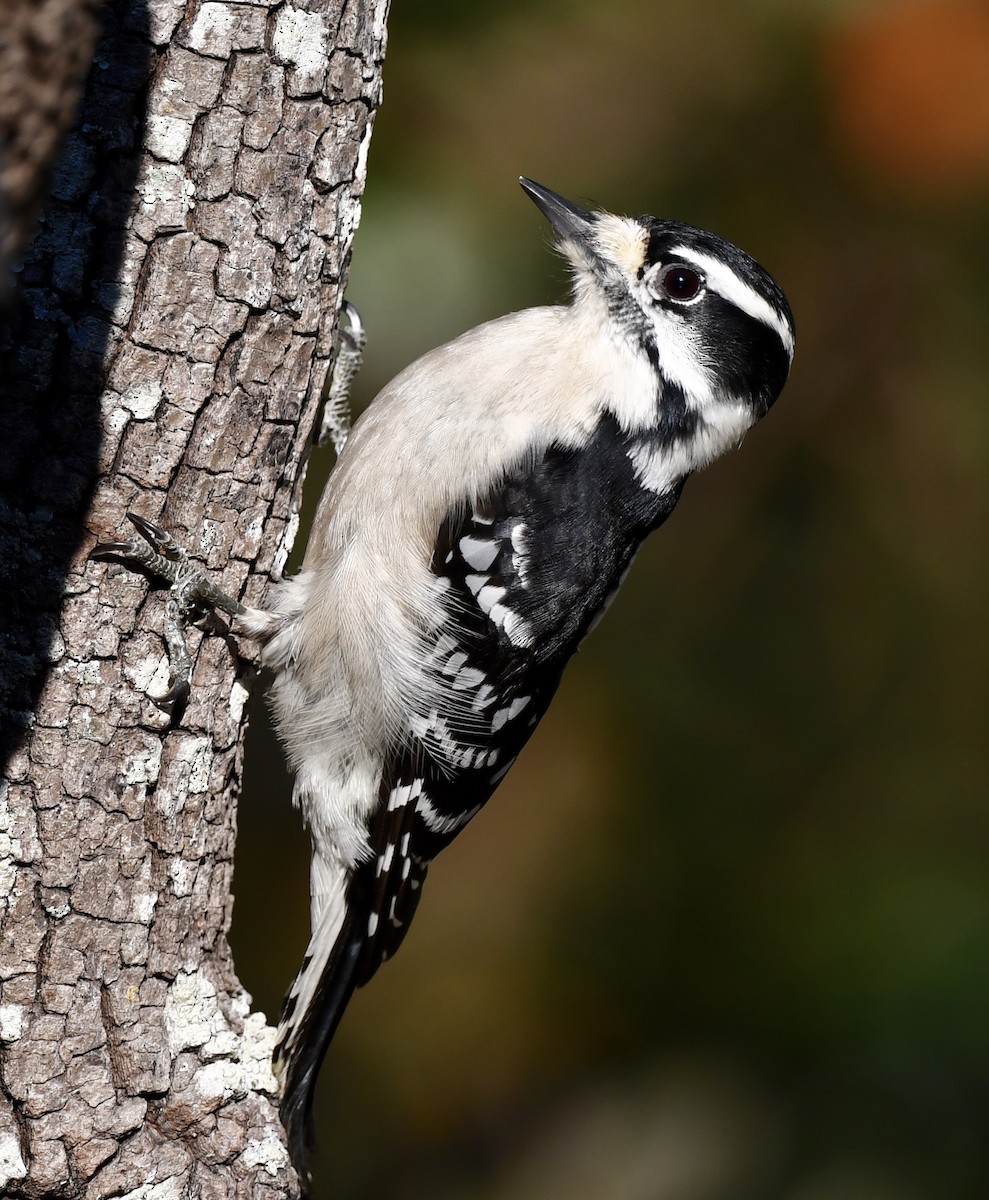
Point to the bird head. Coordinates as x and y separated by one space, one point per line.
713 323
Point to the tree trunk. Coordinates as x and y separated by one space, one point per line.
171 336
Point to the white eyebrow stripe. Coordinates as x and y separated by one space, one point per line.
723 280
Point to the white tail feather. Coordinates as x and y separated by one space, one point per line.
328 884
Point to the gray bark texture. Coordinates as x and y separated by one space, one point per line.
164 353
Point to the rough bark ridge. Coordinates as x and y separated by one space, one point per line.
173 331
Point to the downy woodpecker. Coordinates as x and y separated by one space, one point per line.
480 518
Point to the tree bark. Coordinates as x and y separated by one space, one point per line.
171 336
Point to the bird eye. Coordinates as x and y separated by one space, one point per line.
677 283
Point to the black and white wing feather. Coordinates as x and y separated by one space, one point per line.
527 570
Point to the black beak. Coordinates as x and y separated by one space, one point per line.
567 219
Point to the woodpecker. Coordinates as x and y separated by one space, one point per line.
479 520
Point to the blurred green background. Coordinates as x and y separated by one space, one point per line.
723 934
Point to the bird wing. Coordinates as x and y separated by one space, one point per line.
527 569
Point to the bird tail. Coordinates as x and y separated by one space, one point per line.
314 1006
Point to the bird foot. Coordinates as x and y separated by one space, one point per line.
191 589
335 424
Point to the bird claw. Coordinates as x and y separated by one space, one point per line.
158 553
161 543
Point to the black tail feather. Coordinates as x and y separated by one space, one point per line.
315 1033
